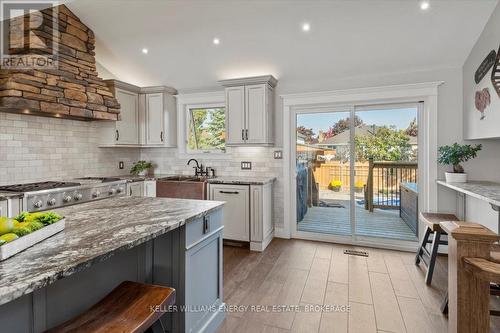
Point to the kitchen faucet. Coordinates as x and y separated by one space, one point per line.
199 170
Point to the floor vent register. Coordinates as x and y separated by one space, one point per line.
356 253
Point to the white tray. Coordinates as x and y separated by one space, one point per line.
22 243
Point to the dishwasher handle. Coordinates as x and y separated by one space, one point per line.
229 192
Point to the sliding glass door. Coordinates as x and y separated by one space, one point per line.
356 172
324 173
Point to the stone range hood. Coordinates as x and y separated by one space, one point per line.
73 89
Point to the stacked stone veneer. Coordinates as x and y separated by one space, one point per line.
71 90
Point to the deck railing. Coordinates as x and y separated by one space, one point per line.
384 180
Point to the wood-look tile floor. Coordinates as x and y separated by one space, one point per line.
386 292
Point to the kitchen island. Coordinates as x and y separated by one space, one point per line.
154 240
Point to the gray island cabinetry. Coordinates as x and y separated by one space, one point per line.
171 242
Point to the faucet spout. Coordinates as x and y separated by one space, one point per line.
195 161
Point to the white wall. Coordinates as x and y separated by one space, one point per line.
39 149
474 127
486 166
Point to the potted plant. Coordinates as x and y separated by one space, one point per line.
454 155
335 185
141 168
359 186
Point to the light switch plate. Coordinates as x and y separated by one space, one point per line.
278 154
246 165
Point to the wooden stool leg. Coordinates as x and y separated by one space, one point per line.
422 245
432 260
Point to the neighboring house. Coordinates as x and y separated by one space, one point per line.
340 142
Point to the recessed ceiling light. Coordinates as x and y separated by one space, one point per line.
306 27
424 5
216 41
145 51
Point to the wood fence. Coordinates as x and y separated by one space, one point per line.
379 180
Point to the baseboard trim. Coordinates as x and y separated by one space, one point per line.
280 233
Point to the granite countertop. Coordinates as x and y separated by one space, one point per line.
217 180
242 180
94 231
132 178
483 190
8 195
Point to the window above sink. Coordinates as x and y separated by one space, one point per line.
206 129
201 125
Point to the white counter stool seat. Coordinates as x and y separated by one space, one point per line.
432 221
130 308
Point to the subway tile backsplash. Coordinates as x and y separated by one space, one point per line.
38 148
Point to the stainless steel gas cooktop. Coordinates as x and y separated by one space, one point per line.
53 194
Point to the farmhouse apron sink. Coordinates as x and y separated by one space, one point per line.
183 187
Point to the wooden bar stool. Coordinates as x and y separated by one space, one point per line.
432 221
494 286
128 308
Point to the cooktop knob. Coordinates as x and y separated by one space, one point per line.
96 194
119 190
51 202
112 191
67 198
38 204
77 196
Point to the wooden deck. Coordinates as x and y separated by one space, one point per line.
336 221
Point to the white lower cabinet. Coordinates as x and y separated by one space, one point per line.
145 188
236 210
150 188
247 213
261 219
3 208
135 189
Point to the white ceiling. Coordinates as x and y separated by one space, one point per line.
347 38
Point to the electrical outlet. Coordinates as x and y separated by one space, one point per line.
246 165
278 154
121 165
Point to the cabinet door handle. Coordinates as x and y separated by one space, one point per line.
229 192
161 136
246 134
243 134
130 191
206 224
117 135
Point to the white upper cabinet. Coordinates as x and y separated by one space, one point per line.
235 120
155 125
257 117
250 110
127 128
148 117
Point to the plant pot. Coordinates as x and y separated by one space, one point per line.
336 188
358 189
143 173
453 177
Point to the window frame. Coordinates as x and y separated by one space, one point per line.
197 99
187 123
